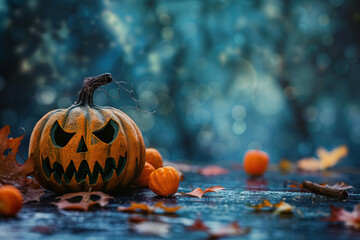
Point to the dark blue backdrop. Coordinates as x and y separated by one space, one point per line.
222 76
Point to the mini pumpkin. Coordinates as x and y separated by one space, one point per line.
144 177
153 157
164 181
256 162
86 146
11 201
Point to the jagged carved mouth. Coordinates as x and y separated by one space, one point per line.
57 170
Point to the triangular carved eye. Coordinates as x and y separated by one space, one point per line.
108 133
58 135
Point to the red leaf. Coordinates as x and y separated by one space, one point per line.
84 204
13 173
213 170
198 225
198 192
351 219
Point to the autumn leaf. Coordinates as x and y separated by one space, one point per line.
145 208
198 225
330 158
231 230
66 201
351 219
278 208
152 228
212 170
13 173
198 192
326 159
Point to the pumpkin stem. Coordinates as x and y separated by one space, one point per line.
90 85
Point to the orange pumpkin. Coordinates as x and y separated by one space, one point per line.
153 157
11 201
256 162
164 181
86 146
144 177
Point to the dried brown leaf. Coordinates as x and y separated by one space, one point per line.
85 203
198 192
13 173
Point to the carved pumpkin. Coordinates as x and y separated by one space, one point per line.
86 146
164 181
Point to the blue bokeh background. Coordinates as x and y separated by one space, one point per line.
222 76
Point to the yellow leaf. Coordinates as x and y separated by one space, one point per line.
330 158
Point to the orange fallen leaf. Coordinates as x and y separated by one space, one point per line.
198 192
13 173
263 204
351 219
278 208
212 170
145 208
198 225
326 159
134 207
231 230
67 201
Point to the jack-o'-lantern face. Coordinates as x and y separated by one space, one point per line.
86 147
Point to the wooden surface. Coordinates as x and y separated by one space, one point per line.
44 220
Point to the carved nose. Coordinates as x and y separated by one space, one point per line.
82 146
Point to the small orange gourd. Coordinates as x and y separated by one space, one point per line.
256 162
153 157
11 201
144 177
164 181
